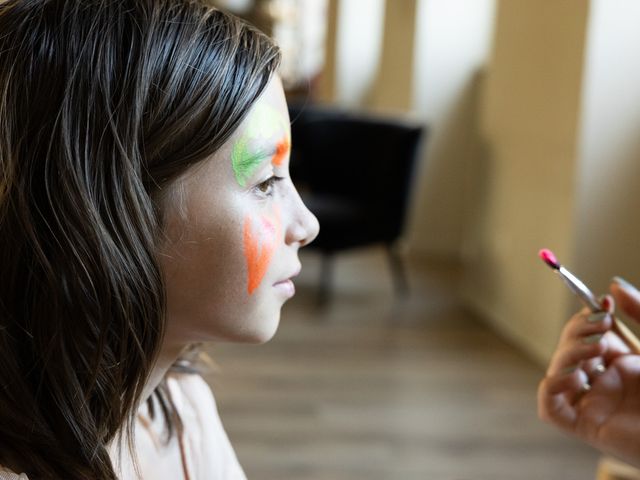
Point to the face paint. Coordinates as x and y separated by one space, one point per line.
260 235
281 152
260 240
264 123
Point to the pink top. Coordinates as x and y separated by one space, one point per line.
207 451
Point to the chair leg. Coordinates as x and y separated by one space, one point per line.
400 283
326 274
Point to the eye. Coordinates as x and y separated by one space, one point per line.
266 188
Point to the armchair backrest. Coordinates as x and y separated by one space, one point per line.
365 159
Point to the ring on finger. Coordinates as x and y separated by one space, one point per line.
584 389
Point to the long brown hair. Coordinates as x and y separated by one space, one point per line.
102 104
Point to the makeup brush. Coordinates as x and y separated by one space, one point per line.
589 299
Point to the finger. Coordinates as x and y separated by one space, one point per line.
554 394
614 347
608 303
574 324
587 323
594 368
627 296
576 351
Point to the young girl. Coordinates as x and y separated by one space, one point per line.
145 205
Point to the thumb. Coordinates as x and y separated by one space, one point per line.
627 297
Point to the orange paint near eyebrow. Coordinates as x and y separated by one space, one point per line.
281 152
259 248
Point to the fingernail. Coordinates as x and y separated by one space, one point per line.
568 370
605 303
624 284
597 317
591 339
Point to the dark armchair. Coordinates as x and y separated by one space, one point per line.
355 174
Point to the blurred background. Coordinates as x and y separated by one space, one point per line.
417 355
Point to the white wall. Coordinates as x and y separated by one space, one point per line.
358 44
453 40
452 44
608 183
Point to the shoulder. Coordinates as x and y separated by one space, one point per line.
6 474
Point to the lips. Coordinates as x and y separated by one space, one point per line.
290 277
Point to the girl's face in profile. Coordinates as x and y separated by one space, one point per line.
233 234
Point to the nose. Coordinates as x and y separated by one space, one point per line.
304 226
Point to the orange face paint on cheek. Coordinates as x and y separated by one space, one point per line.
259 246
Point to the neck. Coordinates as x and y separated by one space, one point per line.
167 357
169 353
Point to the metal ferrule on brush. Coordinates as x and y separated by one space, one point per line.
579 288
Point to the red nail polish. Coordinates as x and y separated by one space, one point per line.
606 304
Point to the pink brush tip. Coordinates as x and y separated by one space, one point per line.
549 258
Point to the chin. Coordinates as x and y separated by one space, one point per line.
262 335
259 338
263 330
262 323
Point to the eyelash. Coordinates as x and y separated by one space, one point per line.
266 188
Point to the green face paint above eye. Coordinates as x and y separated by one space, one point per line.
244 163
263 123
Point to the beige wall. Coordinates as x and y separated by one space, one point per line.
327 83
393 88
530 122
562 124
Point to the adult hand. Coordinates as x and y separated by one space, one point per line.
592 385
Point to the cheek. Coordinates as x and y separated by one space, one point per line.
260 240
203 268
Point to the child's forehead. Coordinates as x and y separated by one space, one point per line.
263 129
264 121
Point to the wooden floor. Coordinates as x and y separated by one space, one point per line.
376 388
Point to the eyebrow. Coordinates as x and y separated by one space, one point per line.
278 150
245 162
283 147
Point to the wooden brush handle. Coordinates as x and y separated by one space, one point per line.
626 335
